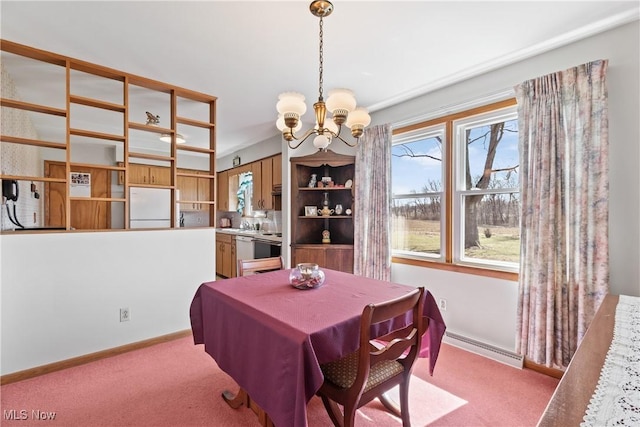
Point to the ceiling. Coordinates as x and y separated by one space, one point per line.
247 52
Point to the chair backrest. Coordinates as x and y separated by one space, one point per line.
402 345
261 265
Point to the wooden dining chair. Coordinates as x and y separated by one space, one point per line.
261 265
376 366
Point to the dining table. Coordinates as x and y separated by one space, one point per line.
271 337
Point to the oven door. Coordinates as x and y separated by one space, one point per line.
266 248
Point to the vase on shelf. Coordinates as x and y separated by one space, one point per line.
325 199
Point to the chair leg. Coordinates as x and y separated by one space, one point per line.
350 415
391 405
334 411
404 402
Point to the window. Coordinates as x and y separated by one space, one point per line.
455 188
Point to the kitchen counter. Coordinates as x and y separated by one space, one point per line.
250 233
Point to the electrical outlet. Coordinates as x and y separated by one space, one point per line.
125 314
442 304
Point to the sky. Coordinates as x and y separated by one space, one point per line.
411 174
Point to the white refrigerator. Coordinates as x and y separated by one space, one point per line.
151 208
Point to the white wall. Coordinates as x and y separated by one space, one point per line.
62 293
484 308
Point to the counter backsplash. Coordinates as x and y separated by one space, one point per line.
270 222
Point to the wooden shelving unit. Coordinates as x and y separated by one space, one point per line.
125 86
307 231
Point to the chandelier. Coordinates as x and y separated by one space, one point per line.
341 103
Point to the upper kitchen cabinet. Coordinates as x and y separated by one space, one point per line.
223 191
266 184
262 184
75 137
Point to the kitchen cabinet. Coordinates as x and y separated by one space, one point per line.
193 190
188 187
147 174
225 255
222 197
307 230
86 214
277 170
262 184
204 191
265 174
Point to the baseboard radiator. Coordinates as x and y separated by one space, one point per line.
487 350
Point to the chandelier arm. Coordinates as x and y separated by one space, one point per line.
304 137
345 141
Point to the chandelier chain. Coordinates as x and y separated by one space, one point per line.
320 83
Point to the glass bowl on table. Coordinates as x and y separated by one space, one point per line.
306 276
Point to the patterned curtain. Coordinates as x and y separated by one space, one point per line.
372 248
564 257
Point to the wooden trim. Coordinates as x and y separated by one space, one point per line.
34 142
88 358
96 166
196 149
552 372
150 157
455 116
33 53
32 178
98 199
97 135
89 102
27 106
149 128
478 271
192 122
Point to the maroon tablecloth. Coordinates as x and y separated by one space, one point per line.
271 338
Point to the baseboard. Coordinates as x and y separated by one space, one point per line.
483 349
87 358
552 372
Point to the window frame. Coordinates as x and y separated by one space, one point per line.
420 134
452 199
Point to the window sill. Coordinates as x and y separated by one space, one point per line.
478 271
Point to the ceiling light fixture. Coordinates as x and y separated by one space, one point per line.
165 137
341 103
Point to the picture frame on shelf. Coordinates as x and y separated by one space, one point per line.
310 211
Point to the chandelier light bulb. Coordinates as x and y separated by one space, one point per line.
291 102
358 117
340 103
322 141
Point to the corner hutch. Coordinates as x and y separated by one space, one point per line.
309 227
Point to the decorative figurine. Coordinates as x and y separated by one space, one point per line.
338 209
152 119
313 180
326 236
